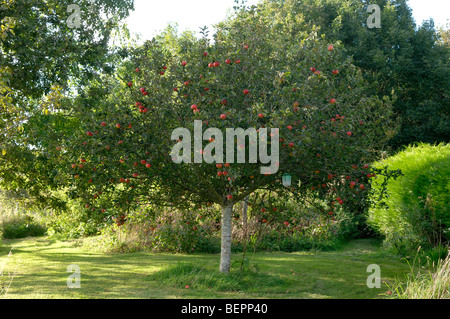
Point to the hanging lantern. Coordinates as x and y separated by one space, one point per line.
287 179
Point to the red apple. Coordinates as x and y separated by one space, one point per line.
330 47
246 92
183 63
148 165
260 115
335 72
227 61
130 84
313 69
216 64
349 133
332 101
137 70
223 116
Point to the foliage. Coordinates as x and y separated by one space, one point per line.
42 60
430 283
278 224
38 39
169 230
416 209
20 225
17 220
409 63
158 229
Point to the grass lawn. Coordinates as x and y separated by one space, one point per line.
41 272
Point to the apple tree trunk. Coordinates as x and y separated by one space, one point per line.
225 255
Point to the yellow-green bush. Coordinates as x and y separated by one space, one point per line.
416 211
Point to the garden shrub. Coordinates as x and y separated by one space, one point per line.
415 211
161 230
74 222
152 228
21 226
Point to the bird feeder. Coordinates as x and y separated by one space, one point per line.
287 179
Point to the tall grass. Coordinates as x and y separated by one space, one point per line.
187 275
433 283
17 222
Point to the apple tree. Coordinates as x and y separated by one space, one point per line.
157 131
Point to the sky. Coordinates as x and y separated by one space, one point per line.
152 16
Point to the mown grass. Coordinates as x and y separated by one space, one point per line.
42 273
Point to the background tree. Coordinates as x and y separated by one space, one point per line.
44 58
406 62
